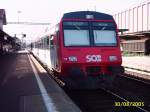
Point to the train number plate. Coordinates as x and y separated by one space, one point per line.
93 58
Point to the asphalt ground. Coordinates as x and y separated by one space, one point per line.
17 80
26 87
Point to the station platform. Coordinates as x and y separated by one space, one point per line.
26 87
140 64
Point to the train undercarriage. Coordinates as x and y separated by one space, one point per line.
76 79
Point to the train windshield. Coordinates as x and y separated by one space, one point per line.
105 38
76 38
104 34
76 34
89 33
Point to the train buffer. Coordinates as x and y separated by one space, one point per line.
26 87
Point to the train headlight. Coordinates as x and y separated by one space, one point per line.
112 58
72 58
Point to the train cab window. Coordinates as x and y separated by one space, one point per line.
76 37
105 38
76 33
104 33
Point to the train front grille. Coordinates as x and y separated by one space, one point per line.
93 70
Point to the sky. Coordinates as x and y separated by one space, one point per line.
51 11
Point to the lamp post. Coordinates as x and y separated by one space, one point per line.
18 15
23 40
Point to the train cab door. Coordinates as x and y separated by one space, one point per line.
52 51
58 54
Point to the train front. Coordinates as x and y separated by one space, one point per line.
91 46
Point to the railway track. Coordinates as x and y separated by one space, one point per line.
138 74
125 89
101 100
138 79
133 89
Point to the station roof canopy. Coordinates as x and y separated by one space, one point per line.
135 35
3 16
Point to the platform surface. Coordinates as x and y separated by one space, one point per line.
137 62
26 87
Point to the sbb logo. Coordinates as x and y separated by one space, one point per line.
93 58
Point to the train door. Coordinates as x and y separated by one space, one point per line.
55 49
52 51
58 50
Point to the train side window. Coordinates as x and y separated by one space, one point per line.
57 33
47 40
57 28
51 41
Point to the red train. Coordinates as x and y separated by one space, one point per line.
84 49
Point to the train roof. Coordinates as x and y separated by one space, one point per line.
83 15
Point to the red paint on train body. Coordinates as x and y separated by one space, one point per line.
90 46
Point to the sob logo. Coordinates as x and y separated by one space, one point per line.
93 58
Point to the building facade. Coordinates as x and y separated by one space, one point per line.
2 18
